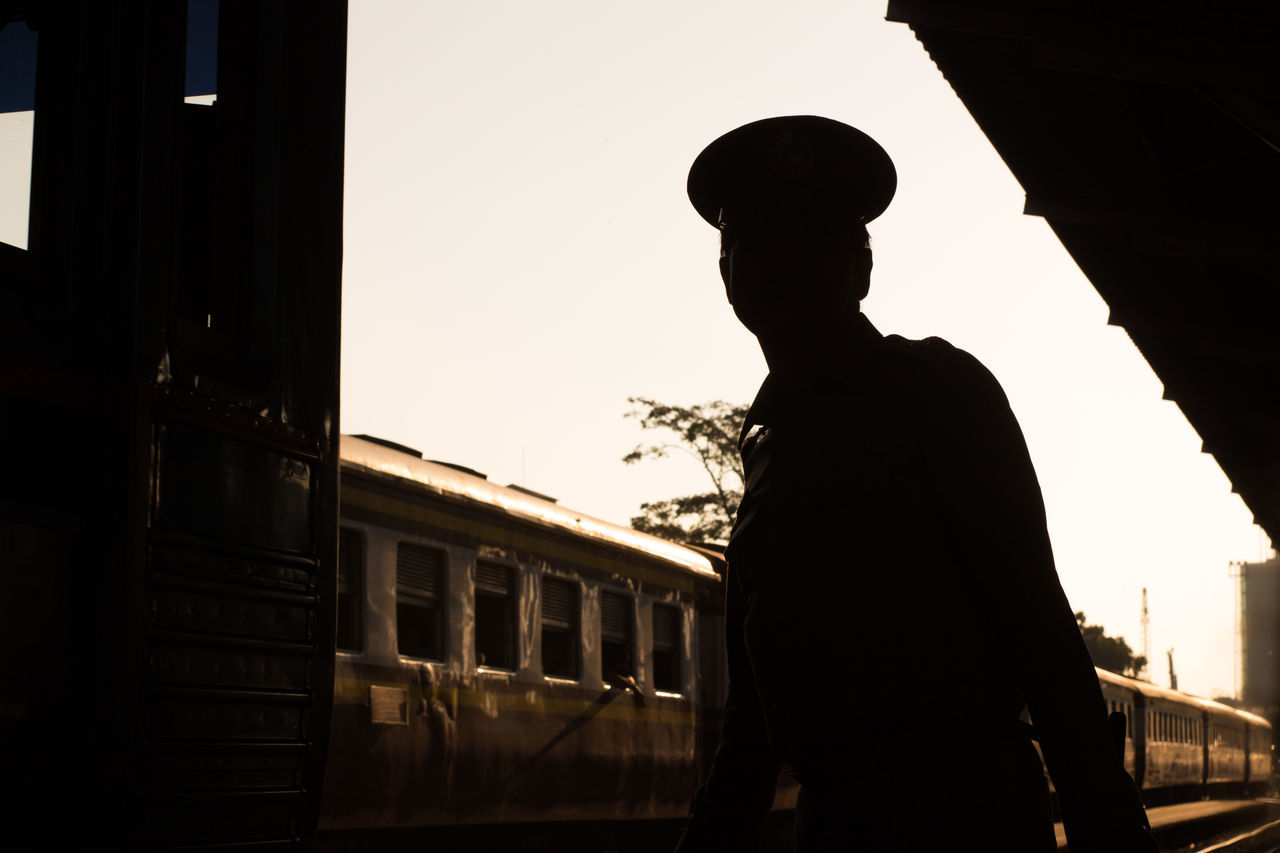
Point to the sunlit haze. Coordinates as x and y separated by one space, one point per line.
520 257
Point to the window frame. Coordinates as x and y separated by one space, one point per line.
440 600
573 630
677 686
630 641
360 593
511 614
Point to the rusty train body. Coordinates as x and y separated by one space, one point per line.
1179 746
506 662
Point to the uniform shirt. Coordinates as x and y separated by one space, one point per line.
891 591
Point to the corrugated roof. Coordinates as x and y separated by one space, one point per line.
1148 136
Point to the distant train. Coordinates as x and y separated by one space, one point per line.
1180 747
505 661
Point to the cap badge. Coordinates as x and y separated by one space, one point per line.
792 157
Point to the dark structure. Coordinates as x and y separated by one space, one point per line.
169 384
1148 137
1260 635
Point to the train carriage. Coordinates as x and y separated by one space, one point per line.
1117 692
1261 752
505 663
503 659
1173 738
1225 746
1180 747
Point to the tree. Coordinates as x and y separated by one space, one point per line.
709 433
1110 653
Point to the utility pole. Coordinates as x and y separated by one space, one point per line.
1234 571
1146 636
1173 676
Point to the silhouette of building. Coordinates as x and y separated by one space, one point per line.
1260 634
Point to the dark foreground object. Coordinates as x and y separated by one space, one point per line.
1181 827
1193 825
577 837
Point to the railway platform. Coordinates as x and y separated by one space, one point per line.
1201 824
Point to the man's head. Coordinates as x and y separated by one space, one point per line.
789 273
791 197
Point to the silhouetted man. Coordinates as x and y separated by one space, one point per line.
892 601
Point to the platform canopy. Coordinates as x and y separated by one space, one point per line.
1148 137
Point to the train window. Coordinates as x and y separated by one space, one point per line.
495 616
615 636
419 601
559 628
350 589
666 648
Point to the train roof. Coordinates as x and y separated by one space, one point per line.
1254 719
456 484
1155 691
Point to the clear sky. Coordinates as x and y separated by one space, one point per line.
520 257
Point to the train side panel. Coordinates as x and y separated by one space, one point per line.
444 735
1174 753
1260 743
1226 747
1119 696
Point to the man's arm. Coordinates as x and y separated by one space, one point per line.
993 509
730 808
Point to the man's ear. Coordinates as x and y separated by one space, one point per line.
862 274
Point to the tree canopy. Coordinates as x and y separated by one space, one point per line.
1110 653
708 432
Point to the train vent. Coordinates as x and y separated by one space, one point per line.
493 578
531 493
419 569
666 627
557 603
615 617
463 468
403 448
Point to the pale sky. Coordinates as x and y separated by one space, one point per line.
520 257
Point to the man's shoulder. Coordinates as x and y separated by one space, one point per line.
937 358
